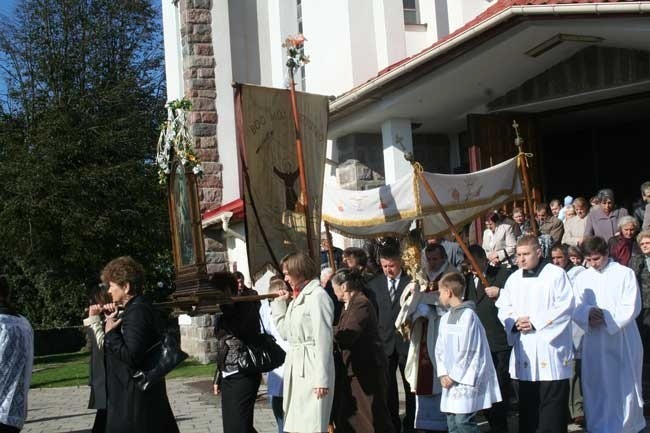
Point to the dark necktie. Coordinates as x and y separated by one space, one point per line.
392 290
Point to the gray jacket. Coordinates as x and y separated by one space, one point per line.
605 226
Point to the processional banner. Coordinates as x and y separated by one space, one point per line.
389 210
275 217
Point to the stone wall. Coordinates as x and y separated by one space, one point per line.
197 337
197 333
200 88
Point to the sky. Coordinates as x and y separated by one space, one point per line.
7 6
6 10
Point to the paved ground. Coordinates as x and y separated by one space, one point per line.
63 410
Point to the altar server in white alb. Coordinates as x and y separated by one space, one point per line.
535 307
463 359
608 300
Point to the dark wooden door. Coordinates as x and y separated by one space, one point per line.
492 140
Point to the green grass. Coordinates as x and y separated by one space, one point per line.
71 369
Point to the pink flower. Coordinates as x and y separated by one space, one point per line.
294 41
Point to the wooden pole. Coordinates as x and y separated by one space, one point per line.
459 239
330 248
253 298
523 166
304 193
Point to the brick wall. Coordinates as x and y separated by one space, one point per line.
199 87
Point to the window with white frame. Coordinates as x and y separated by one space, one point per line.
410 11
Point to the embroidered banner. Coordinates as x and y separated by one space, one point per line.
275 219
390 209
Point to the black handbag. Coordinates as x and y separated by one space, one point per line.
161 358
261 354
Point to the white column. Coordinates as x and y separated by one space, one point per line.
281 17
389 31
226 132
397 140
173 56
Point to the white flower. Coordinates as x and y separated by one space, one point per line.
197 169
184 161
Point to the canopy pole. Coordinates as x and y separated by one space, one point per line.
523 166
330 247
304 192
252 298
419 173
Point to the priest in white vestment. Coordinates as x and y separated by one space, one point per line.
420 314
535 307
608 300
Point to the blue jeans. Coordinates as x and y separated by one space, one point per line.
462 423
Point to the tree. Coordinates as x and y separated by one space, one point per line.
77 145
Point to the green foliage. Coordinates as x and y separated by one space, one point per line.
71 369
77 148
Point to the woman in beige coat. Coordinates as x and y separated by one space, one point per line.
305 322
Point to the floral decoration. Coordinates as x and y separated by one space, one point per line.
176 141
295 46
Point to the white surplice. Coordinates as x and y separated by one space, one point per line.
612 354
463 354
546 352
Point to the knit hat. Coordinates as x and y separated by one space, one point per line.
568 200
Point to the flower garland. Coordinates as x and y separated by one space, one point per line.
176 141
296 57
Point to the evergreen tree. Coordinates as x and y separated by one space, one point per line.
77 144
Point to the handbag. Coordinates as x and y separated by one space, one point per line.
261 354
161 358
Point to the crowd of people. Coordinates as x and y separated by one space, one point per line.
537 323
554 324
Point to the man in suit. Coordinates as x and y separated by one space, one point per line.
387 288
484 298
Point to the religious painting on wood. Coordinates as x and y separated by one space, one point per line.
185 220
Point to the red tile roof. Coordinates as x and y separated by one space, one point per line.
236 207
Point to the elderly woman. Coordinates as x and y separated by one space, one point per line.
624 245
574 227
498 239
362 404
238 324
603 219
126 343
304 320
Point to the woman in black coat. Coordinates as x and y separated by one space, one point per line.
238 323
126 342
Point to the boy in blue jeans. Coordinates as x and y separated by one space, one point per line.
463 359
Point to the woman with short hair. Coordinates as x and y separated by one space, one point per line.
498 239
624 245
574 227
236 326
126 343
304 319
603 219
362 399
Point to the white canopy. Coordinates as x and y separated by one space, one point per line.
390 209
